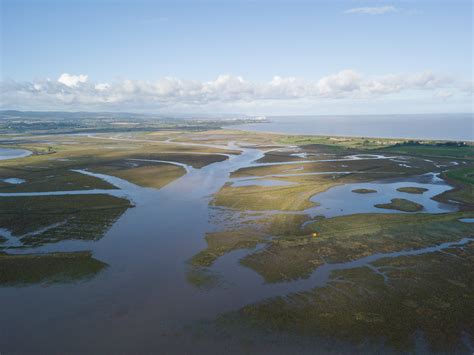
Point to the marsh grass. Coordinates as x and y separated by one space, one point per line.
49 169
412 190
155 175
364 191
428 295
84 217
27 269
466 152
202 278
401 204
248 236
463 192
351 237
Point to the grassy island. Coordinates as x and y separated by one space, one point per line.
400 204
412 190
364 191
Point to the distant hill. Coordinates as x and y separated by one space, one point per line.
110 115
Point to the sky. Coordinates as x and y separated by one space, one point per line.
250 57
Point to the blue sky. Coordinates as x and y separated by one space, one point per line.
404 56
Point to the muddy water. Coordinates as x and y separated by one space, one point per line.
143 298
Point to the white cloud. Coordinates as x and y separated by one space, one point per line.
102 86
374 10
339 84
76 92
72 80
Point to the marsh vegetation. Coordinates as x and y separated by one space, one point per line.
364 191
401 204
26 269
412 190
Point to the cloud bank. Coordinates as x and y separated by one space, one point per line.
78 92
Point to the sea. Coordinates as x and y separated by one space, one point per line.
451 126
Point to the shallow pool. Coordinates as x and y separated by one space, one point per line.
9 153
341 200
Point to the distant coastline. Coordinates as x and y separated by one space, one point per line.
457 127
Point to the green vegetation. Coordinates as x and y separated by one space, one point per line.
465 175
386 167
26 269
44 122
224 136
260 198
463 192
202 278
412 190
220 243
247 236
432 150
400 204
49 168
352 237
279 157
364 191
429 294
338 144
55 179
295 197
155 175
48 219
196 160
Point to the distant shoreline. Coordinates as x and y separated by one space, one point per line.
447 127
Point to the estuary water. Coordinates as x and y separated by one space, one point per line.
458 127
9 153
142 300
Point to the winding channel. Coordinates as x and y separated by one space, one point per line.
144 291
